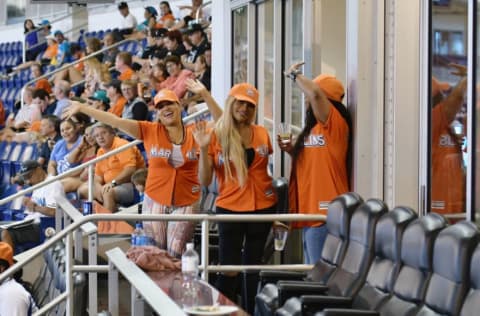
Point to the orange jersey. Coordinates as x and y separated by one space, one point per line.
320 171
257 193
51 51
112 166
44 84
165 184
448 177
117 108
126 75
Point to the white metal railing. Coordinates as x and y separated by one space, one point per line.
205 267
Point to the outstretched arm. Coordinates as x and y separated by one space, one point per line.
315 96
128 126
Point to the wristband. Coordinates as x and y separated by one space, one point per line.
293 75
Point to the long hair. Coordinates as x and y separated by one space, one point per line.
232 148
310 122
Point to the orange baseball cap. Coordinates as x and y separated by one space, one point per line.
165 95
331 86
438 86
6 252
245 92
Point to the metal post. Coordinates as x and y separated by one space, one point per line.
58 218
137 304
205 247
112 289
90 183
78 253
68 274
92 277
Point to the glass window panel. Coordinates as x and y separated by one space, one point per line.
477 123
240 44
449 109
265 61
296 56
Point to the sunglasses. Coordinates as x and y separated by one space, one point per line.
161 105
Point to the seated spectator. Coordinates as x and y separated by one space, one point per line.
27 114
86 151
14 299
109 55
93 45
158 74
200 44
63 55
174 44
203 71
96 73
129 22
71 138
177 76
112 184
50 133
99 100
196 12
135 108
155 47
36 70
139 179
123 64
117 100
150 16
61 92
42 203
166 19
75 73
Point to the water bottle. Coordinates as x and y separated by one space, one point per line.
138 235
189 274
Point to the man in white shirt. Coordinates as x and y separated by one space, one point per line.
129 22
28 113
42 203
14 299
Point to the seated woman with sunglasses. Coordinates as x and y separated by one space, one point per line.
172 184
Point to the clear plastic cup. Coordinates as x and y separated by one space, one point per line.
285 133
280 234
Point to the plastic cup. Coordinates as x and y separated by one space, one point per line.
280 234
284 132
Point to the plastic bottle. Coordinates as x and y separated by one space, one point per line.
138 235
189 274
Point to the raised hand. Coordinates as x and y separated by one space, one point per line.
294 68
195 86
72 109
201 134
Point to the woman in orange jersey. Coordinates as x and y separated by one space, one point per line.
172 185
319 156
244 185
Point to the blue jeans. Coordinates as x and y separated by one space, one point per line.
313 240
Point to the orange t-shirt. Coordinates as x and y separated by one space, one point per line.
448 176
111 167
126 75
258 192
51 51
320 171
117 108
44 84
165 184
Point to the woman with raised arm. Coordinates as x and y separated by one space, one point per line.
172 184
238 152
319 156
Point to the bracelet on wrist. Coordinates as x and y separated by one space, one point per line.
293 74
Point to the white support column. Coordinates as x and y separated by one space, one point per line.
221 50
403 34
365 93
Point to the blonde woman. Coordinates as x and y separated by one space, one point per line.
238 152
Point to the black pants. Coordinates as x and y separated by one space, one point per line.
242 243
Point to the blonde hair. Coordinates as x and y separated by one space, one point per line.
232 147
95 67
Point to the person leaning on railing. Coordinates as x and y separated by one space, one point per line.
238 152
172 183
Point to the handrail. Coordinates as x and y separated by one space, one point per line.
75 215
87 164
158 217
73 63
